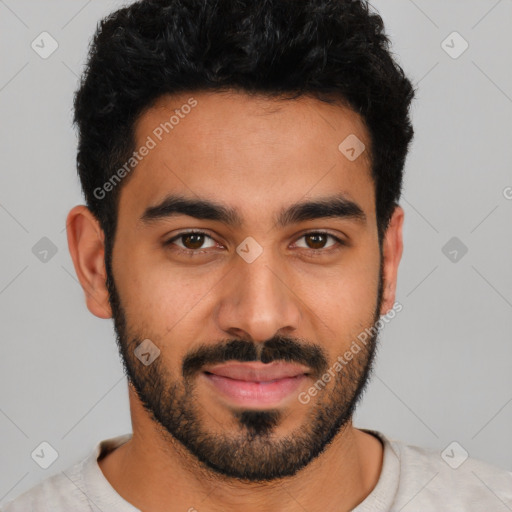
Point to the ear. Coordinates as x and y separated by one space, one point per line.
87 249
392 247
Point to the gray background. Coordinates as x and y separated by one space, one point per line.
444 365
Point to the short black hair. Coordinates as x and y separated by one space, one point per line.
333 50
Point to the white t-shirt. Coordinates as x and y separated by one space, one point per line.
412 479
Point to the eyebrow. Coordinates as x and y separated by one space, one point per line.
338 206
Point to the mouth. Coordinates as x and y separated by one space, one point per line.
256 384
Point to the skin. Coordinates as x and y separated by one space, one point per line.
257 156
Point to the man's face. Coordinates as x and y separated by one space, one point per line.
256 290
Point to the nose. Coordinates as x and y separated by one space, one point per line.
258 301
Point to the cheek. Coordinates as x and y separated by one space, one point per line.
345 303
159 294
344 298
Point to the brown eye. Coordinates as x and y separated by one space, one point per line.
318 240
191 241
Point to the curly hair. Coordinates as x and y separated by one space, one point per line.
333 50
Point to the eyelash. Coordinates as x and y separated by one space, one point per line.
191 252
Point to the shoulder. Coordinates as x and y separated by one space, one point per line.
450 478
58 493
80 488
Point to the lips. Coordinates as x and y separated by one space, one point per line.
257 372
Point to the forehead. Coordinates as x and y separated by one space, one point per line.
248 151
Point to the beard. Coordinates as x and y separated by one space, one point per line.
254 453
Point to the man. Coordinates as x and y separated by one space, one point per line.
242 165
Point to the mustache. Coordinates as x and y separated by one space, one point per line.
278 348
